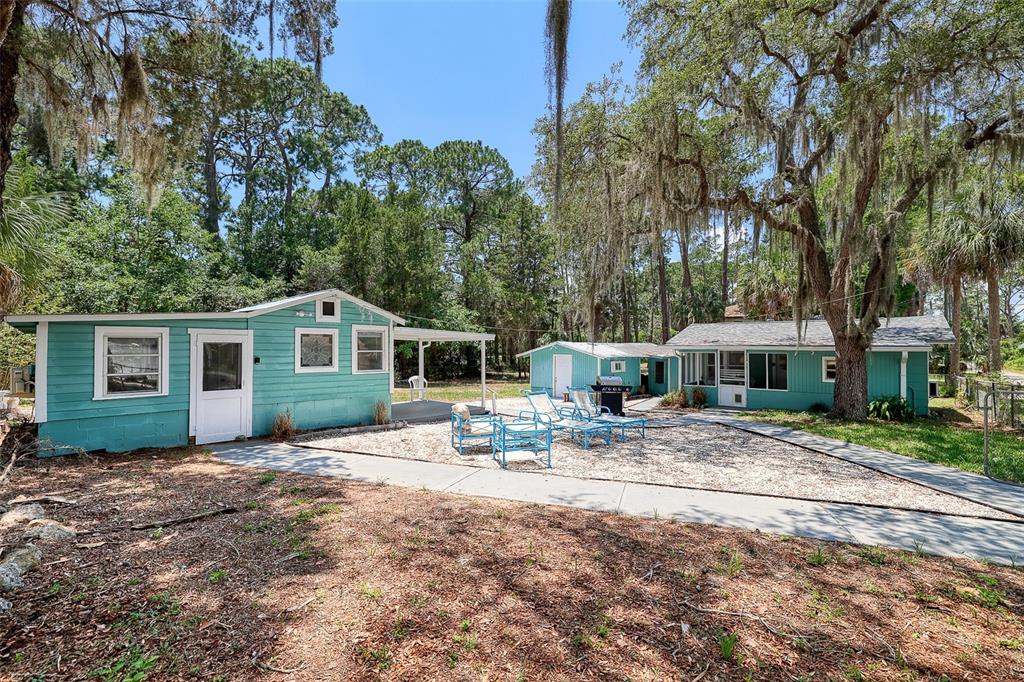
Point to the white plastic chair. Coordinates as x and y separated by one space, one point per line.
417 384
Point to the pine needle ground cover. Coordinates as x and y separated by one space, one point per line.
954 438
317 578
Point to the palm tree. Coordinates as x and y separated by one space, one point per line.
26 215
556 41
980 234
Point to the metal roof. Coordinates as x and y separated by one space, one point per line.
611 350
438 335
895 332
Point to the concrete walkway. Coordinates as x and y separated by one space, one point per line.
999 541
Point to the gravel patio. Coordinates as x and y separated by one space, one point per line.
696 455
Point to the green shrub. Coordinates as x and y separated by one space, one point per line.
700 396
674 399
890 408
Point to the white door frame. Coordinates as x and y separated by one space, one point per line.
195 379
554 371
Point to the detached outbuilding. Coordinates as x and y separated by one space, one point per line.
557 366
768 365
123 381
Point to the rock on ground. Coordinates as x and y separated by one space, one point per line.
17 563
20 514
49 530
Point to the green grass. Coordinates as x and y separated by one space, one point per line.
455 391
930 439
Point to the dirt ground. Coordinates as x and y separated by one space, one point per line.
324 579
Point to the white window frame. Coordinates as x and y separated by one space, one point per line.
356 328
330 319
824 369
99 370
321 331
694 367
618 366
766 353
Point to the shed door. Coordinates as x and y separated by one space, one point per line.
221 386
562 370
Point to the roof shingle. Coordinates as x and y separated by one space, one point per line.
895 332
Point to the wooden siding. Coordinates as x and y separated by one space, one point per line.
806 388
314 399
585 369
317 399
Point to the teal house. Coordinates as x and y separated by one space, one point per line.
119 382
557 366
769 365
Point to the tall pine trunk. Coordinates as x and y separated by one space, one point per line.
955 323
995 356
9 59
662 291
212 217
627 332
684 257
725 260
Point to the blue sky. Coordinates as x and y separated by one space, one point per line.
437 71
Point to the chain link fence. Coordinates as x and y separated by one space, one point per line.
1006 397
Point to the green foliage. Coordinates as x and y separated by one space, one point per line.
891 408
727 644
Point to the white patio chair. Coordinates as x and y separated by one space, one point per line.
417 384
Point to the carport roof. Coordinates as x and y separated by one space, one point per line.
611 350
438 335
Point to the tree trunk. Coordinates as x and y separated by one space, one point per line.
627 332
9 59
995 357
212 218
662 292
850 394
955 319
725 260
684 257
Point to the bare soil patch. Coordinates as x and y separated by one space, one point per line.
316 578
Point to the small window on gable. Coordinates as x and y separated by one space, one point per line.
618 366
828 369
328 310
316 350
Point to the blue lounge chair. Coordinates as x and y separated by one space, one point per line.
586 409
468 431
521 435
561 419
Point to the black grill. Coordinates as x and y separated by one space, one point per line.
611 391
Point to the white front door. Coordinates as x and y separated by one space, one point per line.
221 405
562 370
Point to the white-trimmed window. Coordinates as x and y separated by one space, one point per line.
316 350
130 362
369 349
768 371
618 366
828 369
328 310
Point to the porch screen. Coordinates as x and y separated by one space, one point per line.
699 369
769 370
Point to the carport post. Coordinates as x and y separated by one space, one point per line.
483 374
419 369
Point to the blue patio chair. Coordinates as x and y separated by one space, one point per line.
521 435
586 409
469 431
561 419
